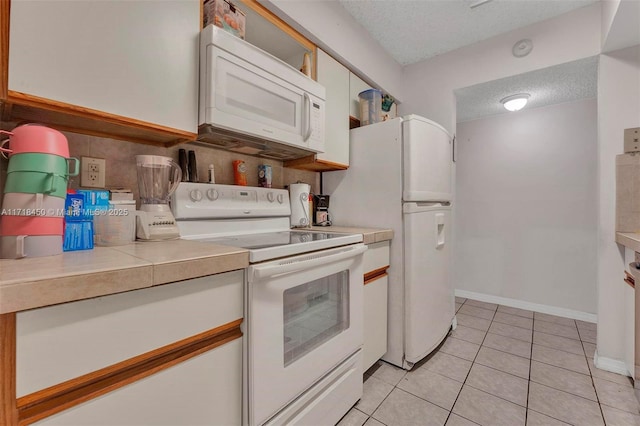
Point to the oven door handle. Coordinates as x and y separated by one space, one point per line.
301 263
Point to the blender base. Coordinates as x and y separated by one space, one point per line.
155 222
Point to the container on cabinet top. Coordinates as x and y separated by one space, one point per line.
224 14
370 106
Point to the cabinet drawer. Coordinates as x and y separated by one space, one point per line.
205 390
58 343
376 257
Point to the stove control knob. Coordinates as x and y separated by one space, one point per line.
280 198
195 195
212 194
271 197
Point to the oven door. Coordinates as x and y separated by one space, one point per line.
304 319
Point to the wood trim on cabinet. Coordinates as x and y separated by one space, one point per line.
629 279
8 408
44 403
313 164
5 14
375 274
90 121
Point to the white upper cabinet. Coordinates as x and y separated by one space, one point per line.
136 59
335 78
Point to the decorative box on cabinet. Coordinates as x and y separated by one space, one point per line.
376 282
335 78
125 70
170 352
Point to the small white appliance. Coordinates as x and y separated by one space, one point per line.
304 315
408 161
299 196
254 103
158 177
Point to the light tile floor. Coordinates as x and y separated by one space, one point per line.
501 366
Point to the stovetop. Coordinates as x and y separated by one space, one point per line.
271 245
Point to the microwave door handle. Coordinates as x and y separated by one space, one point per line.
307 123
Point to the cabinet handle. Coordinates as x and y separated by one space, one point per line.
307 106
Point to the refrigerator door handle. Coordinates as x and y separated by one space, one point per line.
439 219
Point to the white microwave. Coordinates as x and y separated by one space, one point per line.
252 102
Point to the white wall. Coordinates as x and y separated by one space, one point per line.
620 24
331 27
609 9
618 109
429 85
526 206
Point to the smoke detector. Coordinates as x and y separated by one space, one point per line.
522 48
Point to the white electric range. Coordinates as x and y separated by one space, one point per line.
303 310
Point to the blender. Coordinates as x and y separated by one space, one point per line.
158 177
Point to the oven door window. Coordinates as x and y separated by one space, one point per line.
314 312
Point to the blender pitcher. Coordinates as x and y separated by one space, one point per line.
158 177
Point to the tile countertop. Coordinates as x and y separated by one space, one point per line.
41 281
629 240
369 235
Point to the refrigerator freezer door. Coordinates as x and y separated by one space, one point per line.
427 156
429 301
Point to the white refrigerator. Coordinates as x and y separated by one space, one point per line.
399 177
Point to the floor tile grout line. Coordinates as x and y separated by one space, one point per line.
469 372
526 412
564 391
593 383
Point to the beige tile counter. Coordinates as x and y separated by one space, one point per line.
41 281
369 235
629 240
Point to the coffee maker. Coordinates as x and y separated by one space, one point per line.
321 210
158 177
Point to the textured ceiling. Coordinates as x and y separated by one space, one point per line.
567 82
414 30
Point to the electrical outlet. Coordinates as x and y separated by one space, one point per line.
92 172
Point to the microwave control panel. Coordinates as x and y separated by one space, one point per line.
316 140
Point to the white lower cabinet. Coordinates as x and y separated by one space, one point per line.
205 390
175 349
375 321
376 261
629 316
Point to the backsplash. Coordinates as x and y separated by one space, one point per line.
121 162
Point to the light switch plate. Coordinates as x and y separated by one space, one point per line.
632 139
92 172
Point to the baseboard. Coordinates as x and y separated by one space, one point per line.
536 307
610 364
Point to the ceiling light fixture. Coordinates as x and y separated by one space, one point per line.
515 102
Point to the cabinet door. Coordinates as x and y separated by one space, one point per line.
61 342
205 390
375 321
335 78
629 316
136 59
356 85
